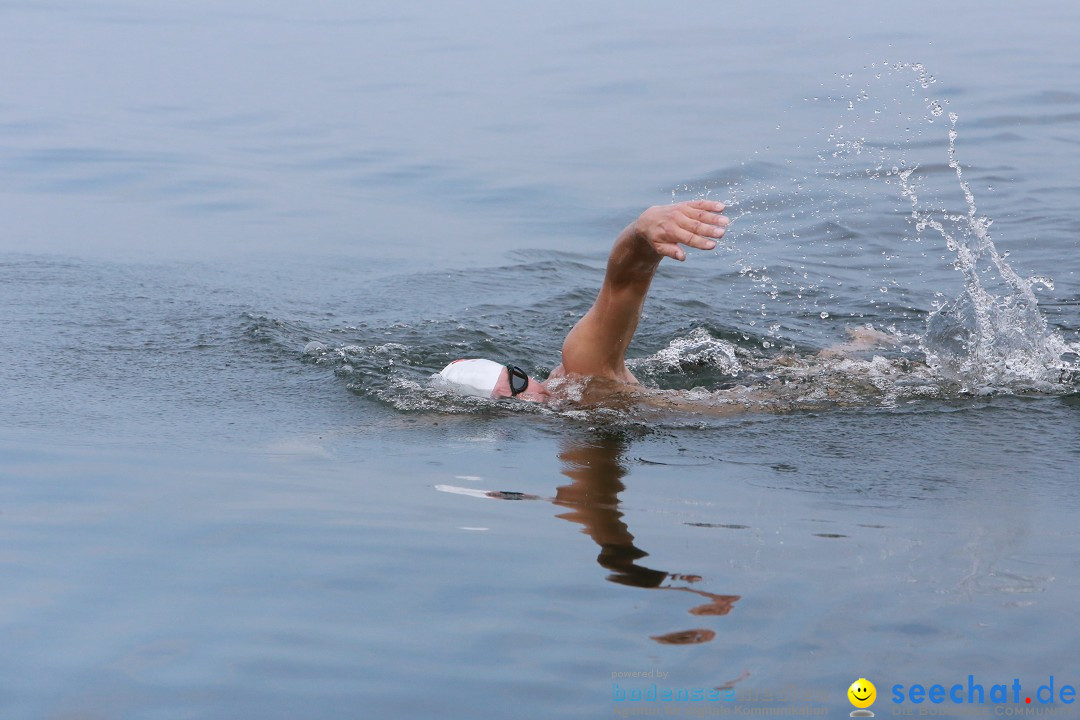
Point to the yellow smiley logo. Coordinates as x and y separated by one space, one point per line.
862 693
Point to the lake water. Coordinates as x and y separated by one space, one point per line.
239 238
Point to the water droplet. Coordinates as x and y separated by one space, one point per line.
824 314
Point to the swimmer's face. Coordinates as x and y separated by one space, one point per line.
533 392
862 693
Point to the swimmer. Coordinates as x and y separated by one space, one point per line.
595 349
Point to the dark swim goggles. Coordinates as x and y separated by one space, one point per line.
518 380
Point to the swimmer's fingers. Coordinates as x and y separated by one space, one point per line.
708 205
702 223
710 213
713 220
681 236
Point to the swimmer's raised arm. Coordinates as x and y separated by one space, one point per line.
597 345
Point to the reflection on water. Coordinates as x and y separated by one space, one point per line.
594 466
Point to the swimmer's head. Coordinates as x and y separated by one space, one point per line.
488 379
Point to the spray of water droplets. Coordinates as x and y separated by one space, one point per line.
806 228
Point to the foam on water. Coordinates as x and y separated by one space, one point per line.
697 350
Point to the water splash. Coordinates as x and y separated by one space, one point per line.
992 336
697 351
825 225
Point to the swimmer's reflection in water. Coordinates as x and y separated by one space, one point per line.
592 500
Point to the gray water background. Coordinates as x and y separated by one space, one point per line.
197 519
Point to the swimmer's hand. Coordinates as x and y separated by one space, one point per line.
697 224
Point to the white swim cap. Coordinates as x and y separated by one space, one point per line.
473 377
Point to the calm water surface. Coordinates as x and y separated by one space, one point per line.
239 239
